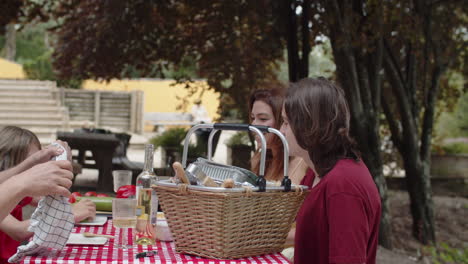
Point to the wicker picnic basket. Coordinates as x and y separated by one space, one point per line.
224 223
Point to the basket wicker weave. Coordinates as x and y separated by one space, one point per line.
228 225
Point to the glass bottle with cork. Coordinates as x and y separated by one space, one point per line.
147 201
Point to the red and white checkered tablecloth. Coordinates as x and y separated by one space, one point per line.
88 254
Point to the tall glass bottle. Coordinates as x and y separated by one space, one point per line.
147 201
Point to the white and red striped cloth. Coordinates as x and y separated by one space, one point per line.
76 254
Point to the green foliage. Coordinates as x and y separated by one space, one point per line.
172 137
195 151
320 63
71 83
31 43
239 138
461 116
33 51
39 68
455 148
444 254
453 121
187 68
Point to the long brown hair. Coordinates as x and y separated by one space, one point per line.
319 118
14 145
274 163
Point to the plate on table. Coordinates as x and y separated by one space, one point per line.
79 239
98 221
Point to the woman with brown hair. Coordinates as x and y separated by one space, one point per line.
339 220
16 145
265 110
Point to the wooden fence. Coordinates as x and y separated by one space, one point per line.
122 110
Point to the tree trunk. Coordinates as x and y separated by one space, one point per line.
291 32
305 34
421 204
298 66
385 231
365 131
369 144
10 42
405 137
359 74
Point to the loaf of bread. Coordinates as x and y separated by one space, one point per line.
228 183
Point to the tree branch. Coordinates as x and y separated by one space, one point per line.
304 71
291 32
374 65
392 123
428 119
426 30
361 57
394 61
409 128
363 76
342 51
411 80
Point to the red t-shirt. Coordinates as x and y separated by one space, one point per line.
339 220
8 245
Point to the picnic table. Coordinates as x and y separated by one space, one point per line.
89 254
102 147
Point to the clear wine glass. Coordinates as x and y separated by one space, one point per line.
124 218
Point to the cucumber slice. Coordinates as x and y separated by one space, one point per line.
102 203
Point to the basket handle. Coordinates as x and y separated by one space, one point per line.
228 126
286 182
261 182
259 130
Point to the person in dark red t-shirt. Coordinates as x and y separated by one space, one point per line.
339 220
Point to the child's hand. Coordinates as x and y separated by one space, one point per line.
43 155
85 209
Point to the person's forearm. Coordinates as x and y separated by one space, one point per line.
290 238
17 230
11 193
7 174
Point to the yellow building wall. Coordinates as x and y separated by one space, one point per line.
160 95
11 70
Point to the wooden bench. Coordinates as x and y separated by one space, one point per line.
162 119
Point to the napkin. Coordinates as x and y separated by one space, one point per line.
52 223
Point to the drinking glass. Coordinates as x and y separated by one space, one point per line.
121 178
123 218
